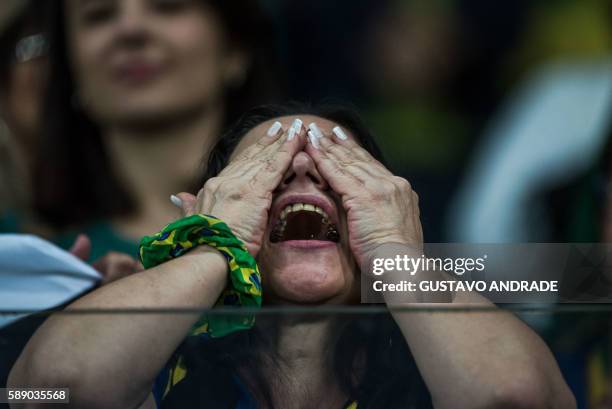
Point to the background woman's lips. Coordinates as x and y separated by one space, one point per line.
137 72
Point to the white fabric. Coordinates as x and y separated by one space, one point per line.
552 130
37 275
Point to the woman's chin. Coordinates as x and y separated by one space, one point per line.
307 285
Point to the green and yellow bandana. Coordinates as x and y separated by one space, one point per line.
244 288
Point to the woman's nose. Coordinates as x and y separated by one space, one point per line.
132 23
303 171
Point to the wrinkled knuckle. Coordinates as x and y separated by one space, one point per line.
402 183
244 156
212 181
378 197
386 187
236 196
212 184
380 192
347 162
364 157
240 190
333 148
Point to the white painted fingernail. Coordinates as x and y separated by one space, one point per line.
315 130
313 139
339 133
297 124
176 201
296 127
276 126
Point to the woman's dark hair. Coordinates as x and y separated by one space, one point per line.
339 113
73 165
367 353
368 356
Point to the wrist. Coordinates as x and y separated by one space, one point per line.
205 249
398 270
394 246
209 257
208 246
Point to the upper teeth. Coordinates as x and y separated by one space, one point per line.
302 206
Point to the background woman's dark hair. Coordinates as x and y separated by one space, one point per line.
73 165
387 377
28 17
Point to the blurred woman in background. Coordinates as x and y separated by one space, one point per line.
139 91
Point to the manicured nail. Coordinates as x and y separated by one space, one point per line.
176 201
339 133
313 139
315 130
276 126
296 127
297 124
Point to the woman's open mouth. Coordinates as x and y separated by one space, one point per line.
304 221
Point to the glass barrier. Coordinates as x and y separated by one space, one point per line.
365 356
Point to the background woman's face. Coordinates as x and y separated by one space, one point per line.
304 263
138 61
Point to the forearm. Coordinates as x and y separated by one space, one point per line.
474 356
486 359
120 354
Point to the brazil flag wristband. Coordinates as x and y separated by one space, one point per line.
244 288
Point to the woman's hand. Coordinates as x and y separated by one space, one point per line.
241 195
112 266
381 208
